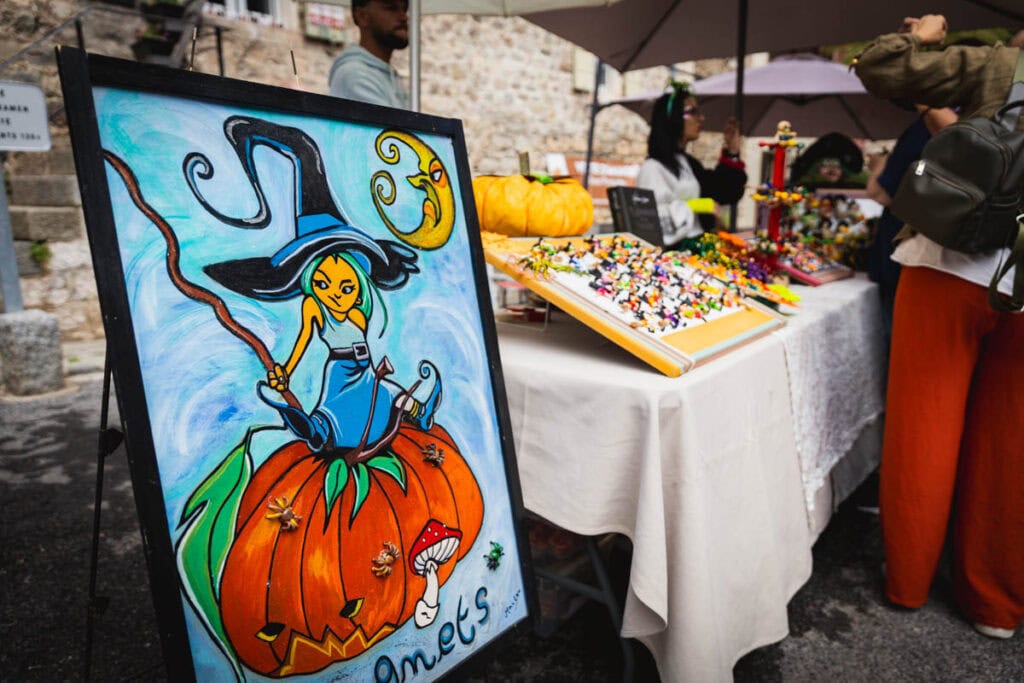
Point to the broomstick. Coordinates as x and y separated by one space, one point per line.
193 291
189 289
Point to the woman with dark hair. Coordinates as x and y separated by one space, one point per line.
677 178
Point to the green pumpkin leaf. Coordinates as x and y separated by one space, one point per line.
334 483
389 464
207 528
544 178
362 480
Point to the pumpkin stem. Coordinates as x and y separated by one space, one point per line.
524 170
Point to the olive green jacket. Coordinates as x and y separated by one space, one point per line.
977 79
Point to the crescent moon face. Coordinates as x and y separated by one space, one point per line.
432 178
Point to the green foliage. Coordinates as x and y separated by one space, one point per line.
389 464
154 30
989 36
40 252
845 52
339 474
207 530
334 483
362 484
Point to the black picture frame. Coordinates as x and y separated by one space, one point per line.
81 75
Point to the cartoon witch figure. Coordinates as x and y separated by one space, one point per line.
344 534
338 270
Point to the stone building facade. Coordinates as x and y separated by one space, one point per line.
515 87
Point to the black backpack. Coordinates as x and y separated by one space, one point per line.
967 190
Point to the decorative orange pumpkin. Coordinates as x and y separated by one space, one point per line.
525 205
296 599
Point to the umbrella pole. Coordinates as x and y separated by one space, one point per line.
853 116
741 54
414 54
594 108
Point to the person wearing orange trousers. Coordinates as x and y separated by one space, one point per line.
954 433
954 417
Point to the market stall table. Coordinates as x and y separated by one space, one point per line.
835 358
715 476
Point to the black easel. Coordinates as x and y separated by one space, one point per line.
108 441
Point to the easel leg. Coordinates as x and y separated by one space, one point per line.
108 441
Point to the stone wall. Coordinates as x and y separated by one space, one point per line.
510 82
50 243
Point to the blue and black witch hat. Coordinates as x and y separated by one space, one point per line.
321 228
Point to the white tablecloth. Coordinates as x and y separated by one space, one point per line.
835 357
702 472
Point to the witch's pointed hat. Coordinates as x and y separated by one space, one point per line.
321 228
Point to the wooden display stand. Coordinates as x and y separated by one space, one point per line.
777 197
671 353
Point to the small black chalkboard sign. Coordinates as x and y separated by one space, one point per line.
635 210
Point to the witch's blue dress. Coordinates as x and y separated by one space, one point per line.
344 406
342 413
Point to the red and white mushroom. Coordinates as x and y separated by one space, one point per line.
434 546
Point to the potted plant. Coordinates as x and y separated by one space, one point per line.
174 9
154 40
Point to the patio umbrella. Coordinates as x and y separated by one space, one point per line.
816 95
503 8
635 34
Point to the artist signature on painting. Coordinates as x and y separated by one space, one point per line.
385 671
512 603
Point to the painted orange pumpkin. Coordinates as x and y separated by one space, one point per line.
519 205
295 600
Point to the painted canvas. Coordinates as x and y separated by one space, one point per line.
315 356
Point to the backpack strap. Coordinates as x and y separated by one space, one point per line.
1009 115
1015 303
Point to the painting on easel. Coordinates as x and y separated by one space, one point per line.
305 356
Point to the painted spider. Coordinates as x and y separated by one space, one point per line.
385 558
433 455
281 510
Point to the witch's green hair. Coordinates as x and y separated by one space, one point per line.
367 288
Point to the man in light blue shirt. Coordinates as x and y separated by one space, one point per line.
363 72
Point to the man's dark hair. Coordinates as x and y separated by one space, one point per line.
364 3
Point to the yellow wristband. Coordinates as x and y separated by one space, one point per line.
701 205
